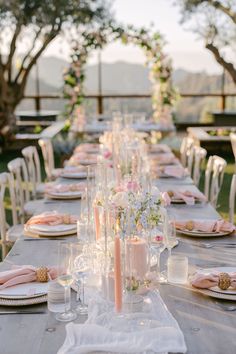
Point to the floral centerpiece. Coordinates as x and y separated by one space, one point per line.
136 210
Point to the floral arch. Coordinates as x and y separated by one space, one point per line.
164 94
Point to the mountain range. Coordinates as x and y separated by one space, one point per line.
125 78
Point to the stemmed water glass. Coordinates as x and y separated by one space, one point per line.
81 270
171 236
65 279
157 243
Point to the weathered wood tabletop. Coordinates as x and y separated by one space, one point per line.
206 326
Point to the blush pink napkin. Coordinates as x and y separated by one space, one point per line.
73 169
175 171
159 148
86 148
205 281
22 274
61 188
52 218
80 156
166 158
188 197
206 225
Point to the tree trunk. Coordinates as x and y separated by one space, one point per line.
7 124
229 67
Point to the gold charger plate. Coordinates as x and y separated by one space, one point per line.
23 302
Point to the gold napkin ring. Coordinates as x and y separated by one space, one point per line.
189 225
224 281
66 219
42 274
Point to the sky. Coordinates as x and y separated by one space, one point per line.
184 47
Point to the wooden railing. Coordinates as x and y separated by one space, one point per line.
100 98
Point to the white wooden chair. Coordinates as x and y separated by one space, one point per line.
214 176
233 143
185 148
48 157
199 156
31 156
18 170
232 197
8 234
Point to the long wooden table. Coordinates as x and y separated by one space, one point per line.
206 326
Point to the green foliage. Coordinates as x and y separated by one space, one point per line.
164 94
36 23
38 129
216 23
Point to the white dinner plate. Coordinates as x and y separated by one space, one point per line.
24 291
87 162
76 175
196 233
168 163
164 175
52 230
181 201
65 195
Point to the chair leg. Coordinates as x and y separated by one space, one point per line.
4 250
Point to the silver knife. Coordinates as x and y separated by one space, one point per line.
21 312
44 239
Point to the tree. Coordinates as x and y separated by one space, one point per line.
33 25
217 24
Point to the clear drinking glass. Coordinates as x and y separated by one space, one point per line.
81 270
65 279
56 297
177 269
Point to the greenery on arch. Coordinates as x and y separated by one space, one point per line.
152 43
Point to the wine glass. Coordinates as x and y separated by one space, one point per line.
157 243
65 279
81 270
76 249
171 236
83 206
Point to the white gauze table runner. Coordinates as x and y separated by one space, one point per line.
105 332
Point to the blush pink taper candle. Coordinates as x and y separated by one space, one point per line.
118 278
97 222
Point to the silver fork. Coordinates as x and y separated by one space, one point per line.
217 245
210 245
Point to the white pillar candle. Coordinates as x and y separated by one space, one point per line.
137 257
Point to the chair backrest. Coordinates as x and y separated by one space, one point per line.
18 170
232 196
214 176
48 156
199 158
233 143
31 156
6 182
185 148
